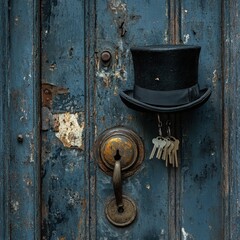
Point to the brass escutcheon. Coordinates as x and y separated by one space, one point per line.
121 218
124 141
119 152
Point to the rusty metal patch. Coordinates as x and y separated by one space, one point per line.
48 93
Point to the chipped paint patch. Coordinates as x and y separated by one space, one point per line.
186 235
117 6
30 138
49 91
166 36
15 205
148 186
53 66
70 132
74 198
186 37
109 76
115 91
105 76
28 181
215 77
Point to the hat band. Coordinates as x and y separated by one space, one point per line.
166 98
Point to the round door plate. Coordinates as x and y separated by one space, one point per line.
121 218
122 141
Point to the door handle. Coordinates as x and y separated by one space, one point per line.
117 185
119 152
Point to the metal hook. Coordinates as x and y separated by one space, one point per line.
168 124
159 126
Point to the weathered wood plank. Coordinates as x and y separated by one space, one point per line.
23 94
231 119
4 127
65 145
121 25
90 36
201 215
174 182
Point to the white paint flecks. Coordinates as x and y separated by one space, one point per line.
105 76
186 37
215 77
148 186
166 36
116 91
117 6
186 235
30 138
24 112
120 45
15 205
108 77
70 132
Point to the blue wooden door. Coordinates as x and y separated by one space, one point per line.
52 187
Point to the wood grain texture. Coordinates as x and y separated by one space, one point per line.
230 115
4 126
65 165
174 183
201 215
144 23
200 200
21 103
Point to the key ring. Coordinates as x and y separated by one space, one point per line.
168 124
159 125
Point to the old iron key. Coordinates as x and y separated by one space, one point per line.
155 147
162 143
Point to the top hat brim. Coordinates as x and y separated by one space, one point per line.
133 103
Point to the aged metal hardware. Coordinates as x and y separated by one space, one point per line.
119 152
129 145
121 218
47 119
20 138
106 58
117 182
48 93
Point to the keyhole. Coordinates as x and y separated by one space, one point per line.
120 209
117 156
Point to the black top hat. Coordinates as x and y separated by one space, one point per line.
166 79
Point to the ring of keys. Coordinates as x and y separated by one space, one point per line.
166 148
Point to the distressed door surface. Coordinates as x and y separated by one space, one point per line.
83 101
57 44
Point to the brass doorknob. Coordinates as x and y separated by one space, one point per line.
128 144
119 152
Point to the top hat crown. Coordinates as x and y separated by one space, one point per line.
166 79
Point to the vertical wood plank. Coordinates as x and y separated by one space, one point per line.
201 215
90 88
231 118
4 120
65 144
121 25
23 92
174 182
